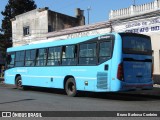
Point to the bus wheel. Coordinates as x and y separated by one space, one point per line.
70 87
19 83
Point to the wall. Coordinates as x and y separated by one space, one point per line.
36 20
134 10
60 21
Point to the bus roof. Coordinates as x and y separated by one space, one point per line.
52 43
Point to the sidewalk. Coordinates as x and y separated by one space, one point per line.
154 93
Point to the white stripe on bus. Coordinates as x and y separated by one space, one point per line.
56 77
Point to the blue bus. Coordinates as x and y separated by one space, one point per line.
110 62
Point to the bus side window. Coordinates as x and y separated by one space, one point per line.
54 55
41 57
10 60
19 60
87 54
105 50
30 58
69 55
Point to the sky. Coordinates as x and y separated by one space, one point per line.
99 9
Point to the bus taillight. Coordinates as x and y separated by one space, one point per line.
120 72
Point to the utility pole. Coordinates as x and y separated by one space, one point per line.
134 2
88 10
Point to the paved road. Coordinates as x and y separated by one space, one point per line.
37 99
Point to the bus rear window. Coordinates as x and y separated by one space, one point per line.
136 44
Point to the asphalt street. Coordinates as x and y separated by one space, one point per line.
40 99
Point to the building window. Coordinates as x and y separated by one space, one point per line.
50 28
26 30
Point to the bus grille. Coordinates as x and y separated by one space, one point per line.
102 78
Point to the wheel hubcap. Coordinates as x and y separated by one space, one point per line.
19 83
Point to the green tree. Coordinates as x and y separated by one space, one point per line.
13 8
3 46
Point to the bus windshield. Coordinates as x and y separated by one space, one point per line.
139 44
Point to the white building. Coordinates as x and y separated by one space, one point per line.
143 19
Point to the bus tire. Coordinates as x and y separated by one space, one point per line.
19 84
70 87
